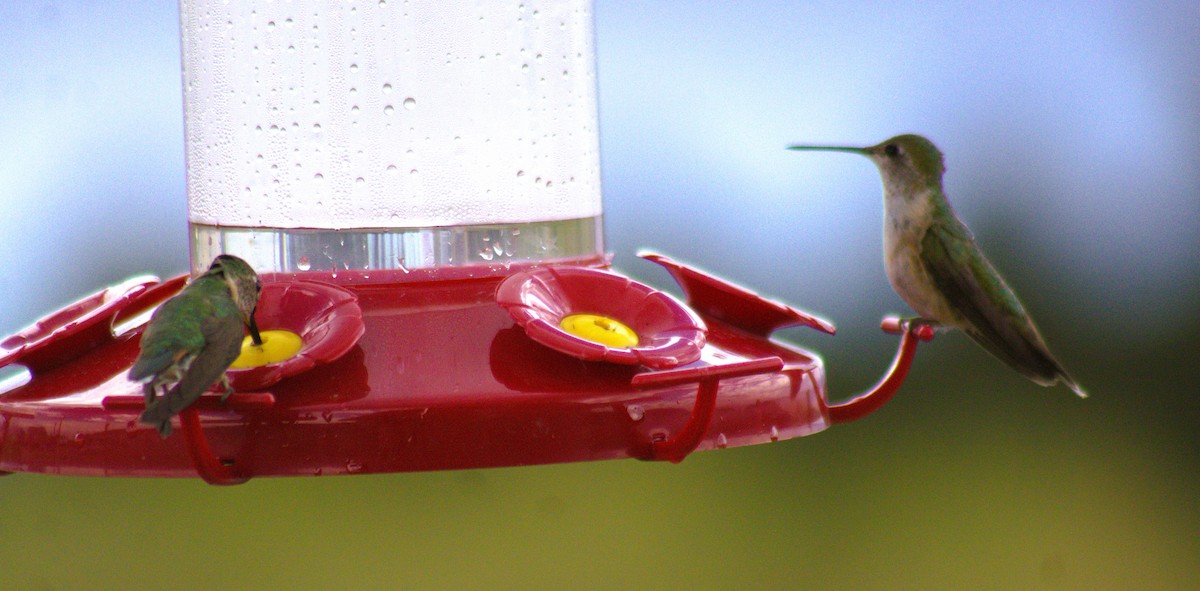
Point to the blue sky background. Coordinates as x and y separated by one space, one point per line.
1072 139
1070 132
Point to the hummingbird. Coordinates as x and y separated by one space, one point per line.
194 337
935 266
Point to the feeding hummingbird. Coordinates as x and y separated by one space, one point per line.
933 263
194 337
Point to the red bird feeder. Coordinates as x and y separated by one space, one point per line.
427 228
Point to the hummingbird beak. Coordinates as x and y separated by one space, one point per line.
255 337
851 149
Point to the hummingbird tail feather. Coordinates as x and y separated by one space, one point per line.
158 415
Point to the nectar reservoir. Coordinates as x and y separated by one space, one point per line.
386 135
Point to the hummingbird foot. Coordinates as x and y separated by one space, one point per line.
916 322
226 389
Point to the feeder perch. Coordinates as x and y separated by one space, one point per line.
427 226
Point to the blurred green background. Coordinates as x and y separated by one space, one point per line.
1072 134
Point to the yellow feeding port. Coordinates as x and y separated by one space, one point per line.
599 329
277 346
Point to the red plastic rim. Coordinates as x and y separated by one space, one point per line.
74 330
669 334
326 317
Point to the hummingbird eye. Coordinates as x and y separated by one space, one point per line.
891 150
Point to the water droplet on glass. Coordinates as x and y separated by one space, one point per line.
318 176
387 88
636 412
303 263
722 441
391 168
413 172
353 68
388 110
774 433
410 103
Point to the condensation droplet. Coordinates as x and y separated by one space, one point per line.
353 68
636 412
722 441
387 88
388 110
410 103
303 263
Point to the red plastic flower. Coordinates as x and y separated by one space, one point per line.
668 333
326 317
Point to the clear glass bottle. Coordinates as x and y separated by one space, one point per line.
363 136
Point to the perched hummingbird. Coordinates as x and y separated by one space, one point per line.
194 337
934 265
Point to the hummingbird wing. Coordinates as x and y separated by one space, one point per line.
995 317
222 335
172 333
